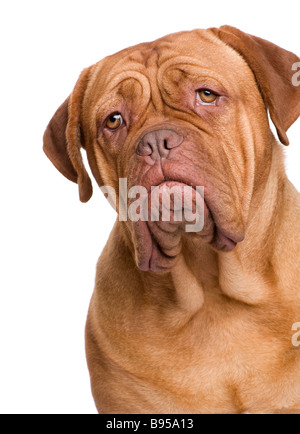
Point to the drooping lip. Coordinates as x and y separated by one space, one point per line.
222 242
221 239
229 238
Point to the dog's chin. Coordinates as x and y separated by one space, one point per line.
158 244
159 241
153 258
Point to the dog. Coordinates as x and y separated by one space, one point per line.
191 322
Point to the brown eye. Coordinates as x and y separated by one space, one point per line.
206 96
114 121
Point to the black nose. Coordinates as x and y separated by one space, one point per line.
157 144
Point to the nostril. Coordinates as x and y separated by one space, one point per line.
166 144
148 149
144 149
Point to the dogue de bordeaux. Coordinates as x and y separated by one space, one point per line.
183 322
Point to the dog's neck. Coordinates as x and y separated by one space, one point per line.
253 272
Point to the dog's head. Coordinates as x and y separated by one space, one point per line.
188 109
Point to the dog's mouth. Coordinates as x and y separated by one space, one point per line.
158 239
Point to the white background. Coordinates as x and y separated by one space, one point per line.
49 241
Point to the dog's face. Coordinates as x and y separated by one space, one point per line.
188 109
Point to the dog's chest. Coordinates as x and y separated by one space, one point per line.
233 359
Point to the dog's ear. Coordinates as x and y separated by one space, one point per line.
273 69
63 139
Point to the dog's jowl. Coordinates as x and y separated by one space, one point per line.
198 321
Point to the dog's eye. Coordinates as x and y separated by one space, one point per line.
114 121
206 96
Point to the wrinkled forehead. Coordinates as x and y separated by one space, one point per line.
188 54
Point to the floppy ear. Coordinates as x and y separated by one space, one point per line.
272 68
63 139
